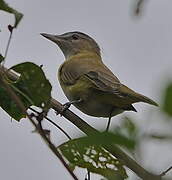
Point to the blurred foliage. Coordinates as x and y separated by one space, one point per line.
128 129
32 87
167 102
1 58
138 7
164 137
5 7
88 152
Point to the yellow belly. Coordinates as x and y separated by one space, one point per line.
94 102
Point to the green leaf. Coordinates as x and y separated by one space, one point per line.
32 88
1 58
167 102
5 7
8 105
129 128
87 152
33 83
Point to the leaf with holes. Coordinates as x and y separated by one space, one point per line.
88 152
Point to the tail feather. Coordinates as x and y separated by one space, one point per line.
146 100
136 97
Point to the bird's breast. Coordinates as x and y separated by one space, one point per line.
92 103
81 89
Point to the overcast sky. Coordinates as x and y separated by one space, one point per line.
138 51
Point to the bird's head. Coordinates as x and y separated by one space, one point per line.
72 43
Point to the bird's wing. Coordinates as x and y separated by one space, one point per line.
95 72
104 81
102 78
107 83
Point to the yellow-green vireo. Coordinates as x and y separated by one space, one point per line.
87 82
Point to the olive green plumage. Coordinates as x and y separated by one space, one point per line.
84 76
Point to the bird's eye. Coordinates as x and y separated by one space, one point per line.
75 37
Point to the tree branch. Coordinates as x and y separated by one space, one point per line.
166 171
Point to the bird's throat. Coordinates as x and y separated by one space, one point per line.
85 55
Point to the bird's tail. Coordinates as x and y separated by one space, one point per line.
136 97
145 99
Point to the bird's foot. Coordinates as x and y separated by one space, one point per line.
108 125
68 104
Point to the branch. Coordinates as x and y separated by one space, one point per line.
53 123
166 171
89 130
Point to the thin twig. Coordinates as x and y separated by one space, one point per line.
62 130
166 171
57 126
8 43
89 175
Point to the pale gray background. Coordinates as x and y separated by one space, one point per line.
137 50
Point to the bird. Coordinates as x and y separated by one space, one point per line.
87 82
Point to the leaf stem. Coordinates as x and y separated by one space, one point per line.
8 43
57 126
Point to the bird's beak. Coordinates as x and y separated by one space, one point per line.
55 38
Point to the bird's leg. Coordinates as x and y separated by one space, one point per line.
109 121
88 175
68 104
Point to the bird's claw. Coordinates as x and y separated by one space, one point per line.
66 106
